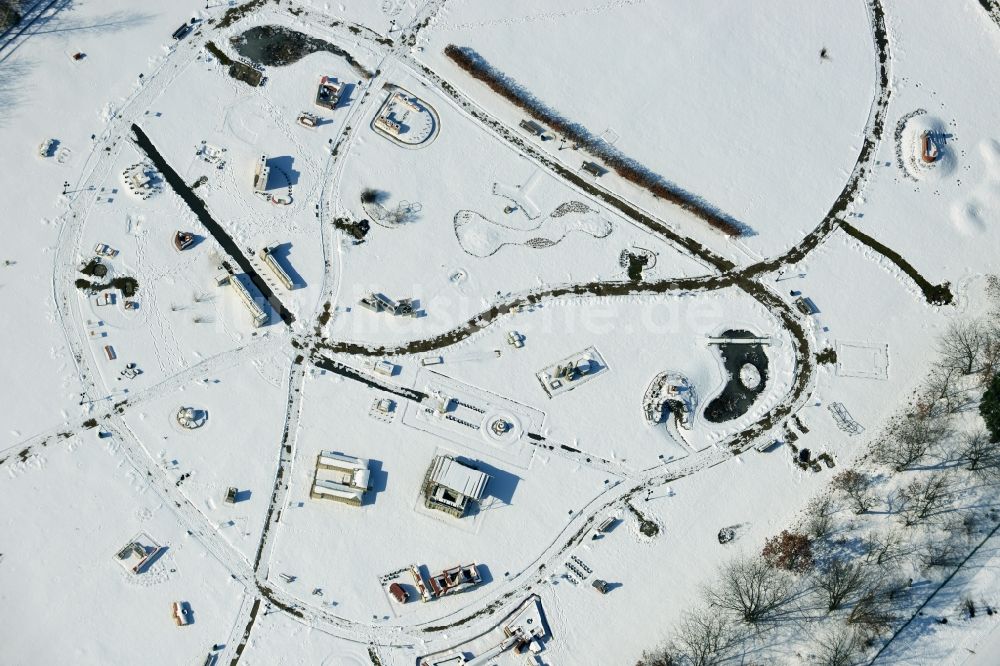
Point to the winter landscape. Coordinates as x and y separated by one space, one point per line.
446 332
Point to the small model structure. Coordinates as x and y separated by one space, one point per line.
212 154
231 494
105 250
182 31
570 372
532 127
389 125
500 426
47 148
670 393
272 263
399 593
604 528
260 176
450 486
523 633
928 148
383 409
405 119
183 240
382 303
600 585
191 418
307 119
181 612
138 553
386 368
329 92
450 581
340 478
140 179
260 317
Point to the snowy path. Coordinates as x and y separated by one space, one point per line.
469 620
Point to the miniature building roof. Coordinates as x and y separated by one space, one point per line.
453 475
327 487
340 461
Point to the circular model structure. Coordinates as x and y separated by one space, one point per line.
191 418
923 149
501 427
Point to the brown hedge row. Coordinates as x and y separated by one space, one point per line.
477 67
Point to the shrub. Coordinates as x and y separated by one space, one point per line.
989 407
790 551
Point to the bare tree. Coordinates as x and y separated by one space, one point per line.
961 346
856 486
871 614
924 497
659 657
751 588
883 549
842 646
910 440
704 638
839 581
819 520
943 391
978 452
942 553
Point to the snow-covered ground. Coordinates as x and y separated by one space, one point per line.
663 92
515 267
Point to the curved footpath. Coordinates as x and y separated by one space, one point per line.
463 623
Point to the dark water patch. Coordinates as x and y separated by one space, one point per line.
277 46
737 398
238 70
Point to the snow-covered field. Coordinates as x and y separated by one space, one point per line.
629 380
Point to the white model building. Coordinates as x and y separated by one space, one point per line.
329 92
450 581
450 486
272 263
136 555
260 317
260 176
340 478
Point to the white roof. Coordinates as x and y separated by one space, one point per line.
341 461
326 487
452 474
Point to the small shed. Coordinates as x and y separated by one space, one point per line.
399 593
594 169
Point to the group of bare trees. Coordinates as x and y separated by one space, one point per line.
841 578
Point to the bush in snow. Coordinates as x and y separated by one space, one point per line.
989 407
790 551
